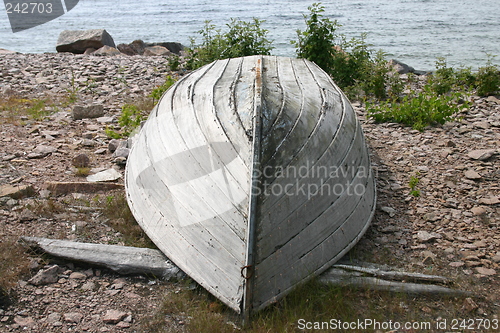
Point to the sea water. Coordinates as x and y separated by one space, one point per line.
416 32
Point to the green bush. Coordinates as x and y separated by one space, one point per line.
349 62
242 39
447 79
488 79
318 42
160 90
419 110
130 118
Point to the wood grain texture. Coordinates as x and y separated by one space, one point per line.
198 159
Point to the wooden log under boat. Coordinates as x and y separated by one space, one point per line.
252 175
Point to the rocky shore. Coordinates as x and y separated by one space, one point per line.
451 229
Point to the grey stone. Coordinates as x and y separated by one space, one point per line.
113 145
114 316
73 317
77 276
471 174
77 41
41 151
135 48
105 176
53 317
389 210
106 51
81 161
481 154
45 276
424 236
400 67
87 111
156 51
121 152
173 47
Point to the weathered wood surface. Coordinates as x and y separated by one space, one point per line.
132 260
61 188
205 154
120 259
341 277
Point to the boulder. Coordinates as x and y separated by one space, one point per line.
106 51
77 41
171 46
400 67
156 51
4 51
135 48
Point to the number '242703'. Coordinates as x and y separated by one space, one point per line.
28 8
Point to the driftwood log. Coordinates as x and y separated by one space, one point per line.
120 259
132 260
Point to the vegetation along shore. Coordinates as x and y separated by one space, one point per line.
434 140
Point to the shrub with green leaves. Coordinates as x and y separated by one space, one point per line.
320 40
419 110
349 62
242 39
160 90
447 79
130 118
488 79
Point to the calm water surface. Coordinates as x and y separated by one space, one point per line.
414 31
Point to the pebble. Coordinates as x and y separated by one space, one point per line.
389 210
46 276
490 200
478 210
424 236
471 174
114 316
481 154
77 276
24 321
73 317
108 175
485 271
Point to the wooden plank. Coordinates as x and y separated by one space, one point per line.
287 118
61 188
120 259
272 103
226 112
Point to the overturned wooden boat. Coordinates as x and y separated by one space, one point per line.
252 175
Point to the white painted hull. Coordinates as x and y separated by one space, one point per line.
252 175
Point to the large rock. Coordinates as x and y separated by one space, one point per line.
135 48
138 47
400 67
173 47
106 51
156 51
77 41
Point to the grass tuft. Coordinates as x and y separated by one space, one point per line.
116 209
14 263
